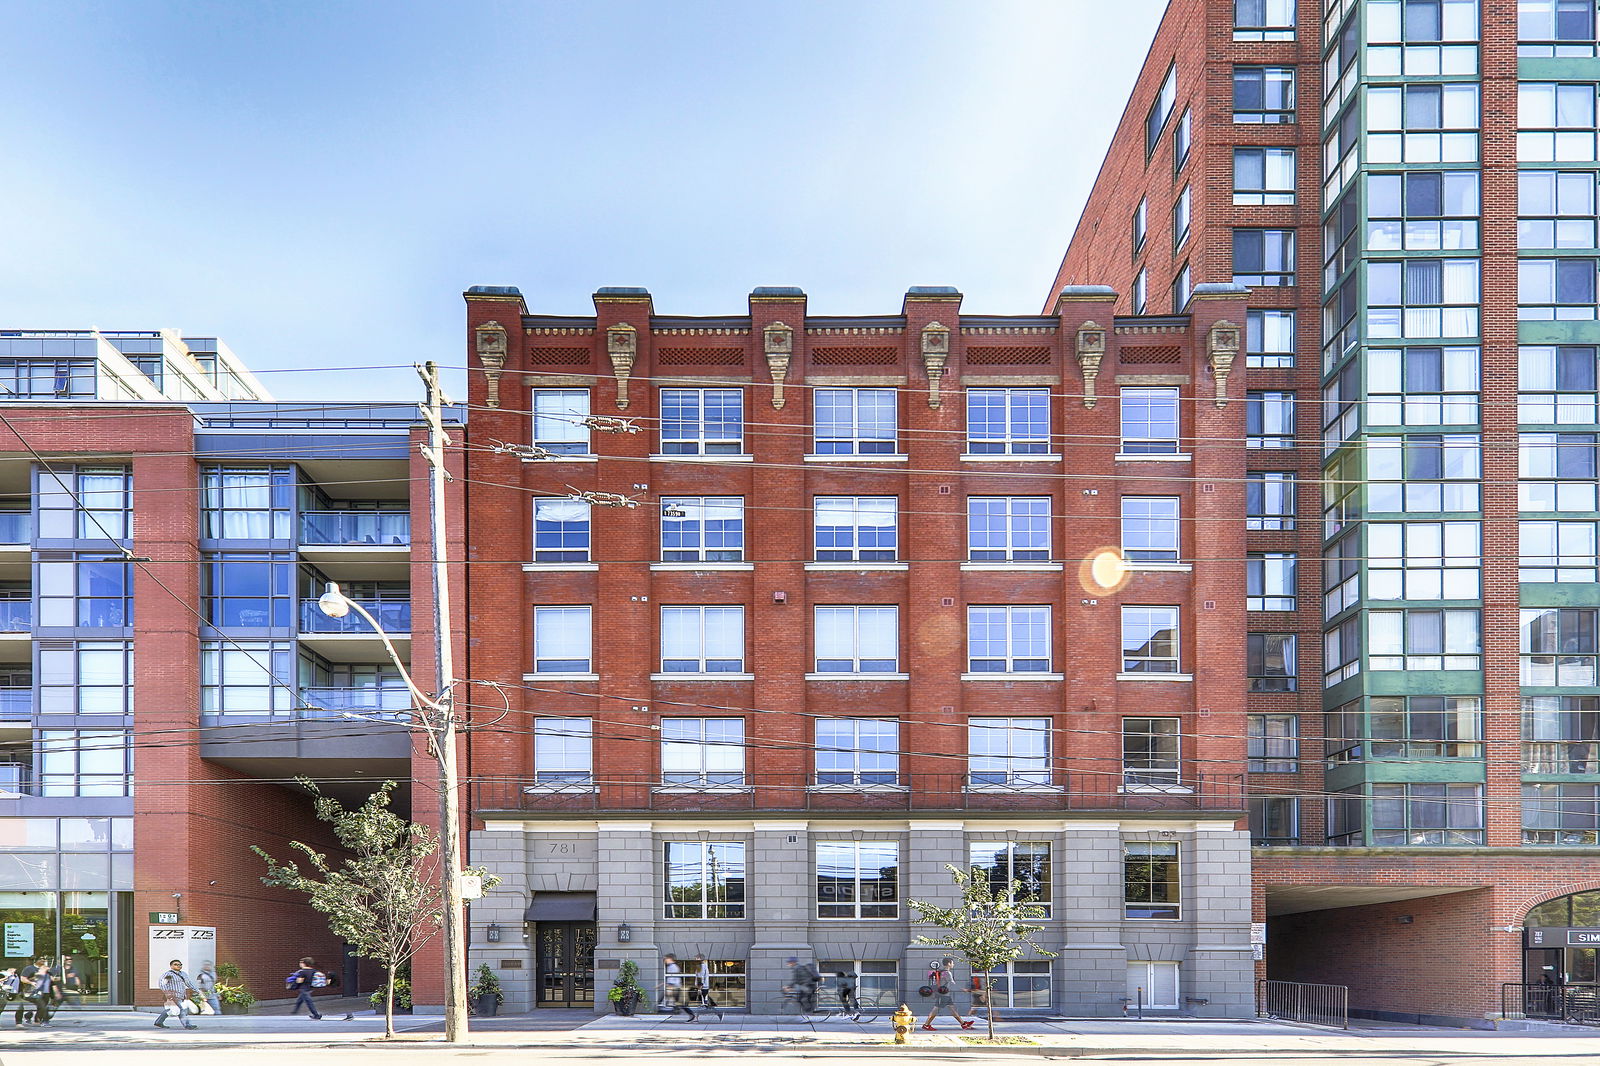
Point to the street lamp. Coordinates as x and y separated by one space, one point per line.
437 718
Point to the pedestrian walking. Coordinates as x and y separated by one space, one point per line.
803 982
175 988
71 982
44 985
206 982
702 986
849 1003
26 995
11 988
942 980
672 988
301 982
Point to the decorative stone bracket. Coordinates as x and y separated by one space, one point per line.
491 341
622 345
779 344
935 357
1222 347
1091 350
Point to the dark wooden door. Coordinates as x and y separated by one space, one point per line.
566 964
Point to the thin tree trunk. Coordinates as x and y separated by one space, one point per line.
388 1006
988 1002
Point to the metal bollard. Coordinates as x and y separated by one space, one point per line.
903 1020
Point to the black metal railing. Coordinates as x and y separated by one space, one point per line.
1575 1004
724 791
1296 1001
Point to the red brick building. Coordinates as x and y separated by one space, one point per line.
1386 179
791 610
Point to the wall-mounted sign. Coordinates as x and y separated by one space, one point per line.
1258 932
19 940
164 918
1564 937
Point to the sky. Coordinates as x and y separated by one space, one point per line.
316 183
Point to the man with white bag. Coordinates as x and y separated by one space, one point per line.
175 989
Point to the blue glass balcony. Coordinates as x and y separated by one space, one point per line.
16 703
16 527
388 528
393 615
16 616
385 702
15 778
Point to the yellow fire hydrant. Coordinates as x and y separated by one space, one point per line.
903 1020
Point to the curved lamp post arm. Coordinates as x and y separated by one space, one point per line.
336 604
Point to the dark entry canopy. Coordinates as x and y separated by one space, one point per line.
561 907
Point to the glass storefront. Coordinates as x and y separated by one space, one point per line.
68 928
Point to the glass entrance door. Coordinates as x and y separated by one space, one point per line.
565 964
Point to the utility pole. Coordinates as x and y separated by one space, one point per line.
442 731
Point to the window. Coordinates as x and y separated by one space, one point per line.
1008 421
1019 985
1274 744
1405 728
1149 421
1150 754
239 589
1556 551
1263 20
1263 257
1560 814
702 529
563 751
1008 752
704 879
1341 651
702 752
1153 985
48 379
1341 575
1269 419
560 421
1558 28
1180 218
1263 176
1140 224
1423 472
1555 289
1408 37
856 528
1274 821
242 503
1422 386
1160 110
1008 528
1269 500
1150 529
1422 560
1339 147
1008 639
1426 814
858 751
1555 209
1263 95
1150 640
877 982
88 762
1558 471
1181 289
560 531
1422 211
1423 124
1556 386
702 640
561 640
1561 734
1272 662
1141 289
1181 140
1150 879
1558 647
1024 865
725 978
240 680
858 879
854 421
1424 640
857 640
89 677
1555 123
702 421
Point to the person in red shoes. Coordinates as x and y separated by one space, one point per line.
942 979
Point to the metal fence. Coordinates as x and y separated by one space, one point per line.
1295 1001
1575 1004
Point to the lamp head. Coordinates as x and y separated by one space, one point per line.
332 602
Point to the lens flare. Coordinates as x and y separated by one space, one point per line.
1103 572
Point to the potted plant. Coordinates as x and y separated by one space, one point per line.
402 996
231 992
625 992
485 992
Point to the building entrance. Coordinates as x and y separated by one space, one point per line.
565 960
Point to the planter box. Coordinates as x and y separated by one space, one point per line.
488 1006
234 1008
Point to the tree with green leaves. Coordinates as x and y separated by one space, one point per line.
385 897
990 928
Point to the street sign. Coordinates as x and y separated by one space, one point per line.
164 918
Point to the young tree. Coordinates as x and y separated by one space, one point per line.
988 930
385 898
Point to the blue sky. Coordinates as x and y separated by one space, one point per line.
316 183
